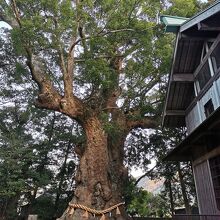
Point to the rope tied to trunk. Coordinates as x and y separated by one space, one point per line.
73 206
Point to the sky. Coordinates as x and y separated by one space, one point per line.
3 24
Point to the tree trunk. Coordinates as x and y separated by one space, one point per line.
171 196
62 175
183 189
99 177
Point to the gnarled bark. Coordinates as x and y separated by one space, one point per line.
100 171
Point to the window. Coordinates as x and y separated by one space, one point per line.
204 75
206 47
214 164
215 57
209 44
209 108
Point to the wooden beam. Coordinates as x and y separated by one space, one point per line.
215 124
195 38
175 113
180 154
214 45
202 92
211 11
186 77
207 156
205 134
169 82
182 158
205 27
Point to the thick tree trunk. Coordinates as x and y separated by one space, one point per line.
99 178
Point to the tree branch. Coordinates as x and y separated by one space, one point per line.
101 34
67 73
49 97
66 70
117 31
144 175
5 17
16 12
68 78
145 122
97 57
112 94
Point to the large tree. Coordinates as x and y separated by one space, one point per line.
100 63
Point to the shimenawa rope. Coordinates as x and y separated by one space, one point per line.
73 206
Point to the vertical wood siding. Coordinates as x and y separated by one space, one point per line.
218 86
193 117
204 187
210 94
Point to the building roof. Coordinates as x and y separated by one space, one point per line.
190 39
201 16
172 23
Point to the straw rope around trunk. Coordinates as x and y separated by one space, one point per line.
73 206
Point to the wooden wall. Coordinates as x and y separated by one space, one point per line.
197 114
204 187
217 83
193 119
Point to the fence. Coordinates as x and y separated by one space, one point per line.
183 217
150 218
196 217
32 217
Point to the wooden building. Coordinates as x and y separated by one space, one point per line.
193 100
